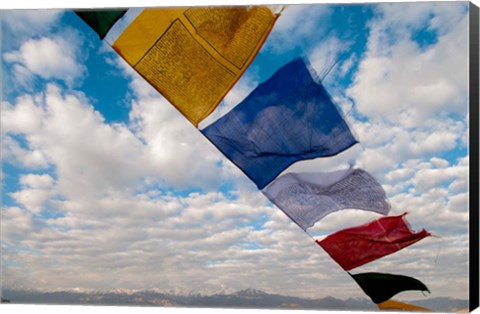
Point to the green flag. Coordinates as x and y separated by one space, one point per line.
100 20
381 287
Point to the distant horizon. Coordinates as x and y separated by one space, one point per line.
226 292
447 303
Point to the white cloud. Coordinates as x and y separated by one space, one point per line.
32 199
22 76
84 149
23 117
163 148
386 145
49 58
13 153
426 179
175 248
430 197
459 203
19 223
288 33
399 174
35 192
38 181
22 24
400 81
177 150
402 20
439 162
325 56
175 146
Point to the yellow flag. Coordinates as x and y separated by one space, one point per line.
193 56
393 305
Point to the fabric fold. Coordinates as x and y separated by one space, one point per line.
357 246
308 197
380 287
288 118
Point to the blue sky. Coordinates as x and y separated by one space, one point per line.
106 186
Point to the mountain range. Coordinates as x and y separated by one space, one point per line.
249 298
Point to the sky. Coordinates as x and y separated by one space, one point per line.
105 186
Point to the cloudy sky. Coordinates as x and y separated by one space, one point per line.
106 186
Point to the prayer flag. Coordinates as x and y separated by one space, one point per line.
193 56
356 246
308 197
288 118
393 305
381 287
101 20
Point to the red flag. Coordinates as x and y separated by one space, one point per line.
356 246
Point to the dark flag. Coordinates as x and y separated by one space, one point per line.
381 287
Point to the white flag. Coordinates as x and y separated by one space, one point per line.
308 197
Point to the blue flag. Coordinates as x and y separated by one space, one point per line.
288 118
